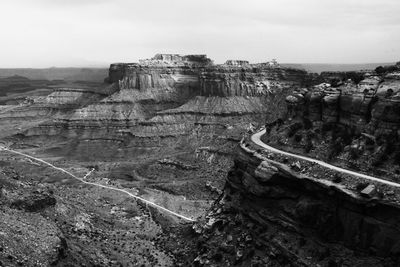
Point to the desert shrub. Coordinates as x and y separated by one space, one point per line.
356 77
380 70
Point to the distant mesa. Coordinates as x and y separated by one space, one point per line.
16 78
139 73
273 63
199 60
237 63
244 63
168 57
176 59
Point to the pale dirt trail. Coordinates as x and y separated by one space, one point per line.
100 185
255 138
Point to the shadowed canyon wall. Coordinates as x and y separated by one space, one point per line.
271 215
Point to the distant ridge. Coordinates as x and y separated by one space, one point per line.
320 67
67 74
15 78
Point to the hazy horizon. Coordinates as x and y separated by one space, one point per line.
107 65
96 33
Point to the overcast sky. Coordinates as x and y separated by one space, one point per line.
44 33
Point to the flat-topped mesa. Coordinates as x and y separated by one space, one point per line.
167 57
269 64
200 76
163 71
237 63
166 60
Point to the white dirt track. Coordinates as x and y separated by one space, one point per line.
100 185
255 138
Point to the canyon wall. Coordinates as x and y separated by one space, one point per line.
250 80
271 215
352 122
371 105
167 102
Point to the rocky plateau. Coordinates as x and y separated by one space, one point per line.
176 131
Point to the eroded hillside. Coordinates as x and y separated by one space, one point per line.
164 129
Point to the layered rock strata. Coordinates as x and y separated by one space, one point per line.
371 104
170 99
272 216
251 80
354 124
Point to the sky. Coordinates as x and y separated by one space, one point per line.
45 33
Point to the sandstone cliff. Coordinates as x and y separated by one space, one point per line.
248 80
169 99
270 215
352 122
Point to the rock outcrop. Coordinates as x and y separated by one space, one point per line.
353 122
271 215
369 105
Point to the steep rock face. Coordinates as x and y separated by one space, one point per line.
162 103
144 78
385 113
356 100
355 125
270 215
341 217
249 80
157 71
370 105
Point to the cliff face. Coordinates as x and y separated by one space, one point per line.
370 105
272 216
350 123
166 102
250 80
157 71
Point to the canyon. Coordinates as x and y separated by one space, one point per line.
353 122
176 131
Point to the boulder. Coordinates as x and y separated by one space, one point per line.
369 191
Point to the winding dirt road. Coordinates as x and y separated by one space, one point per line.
100 185
255 138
